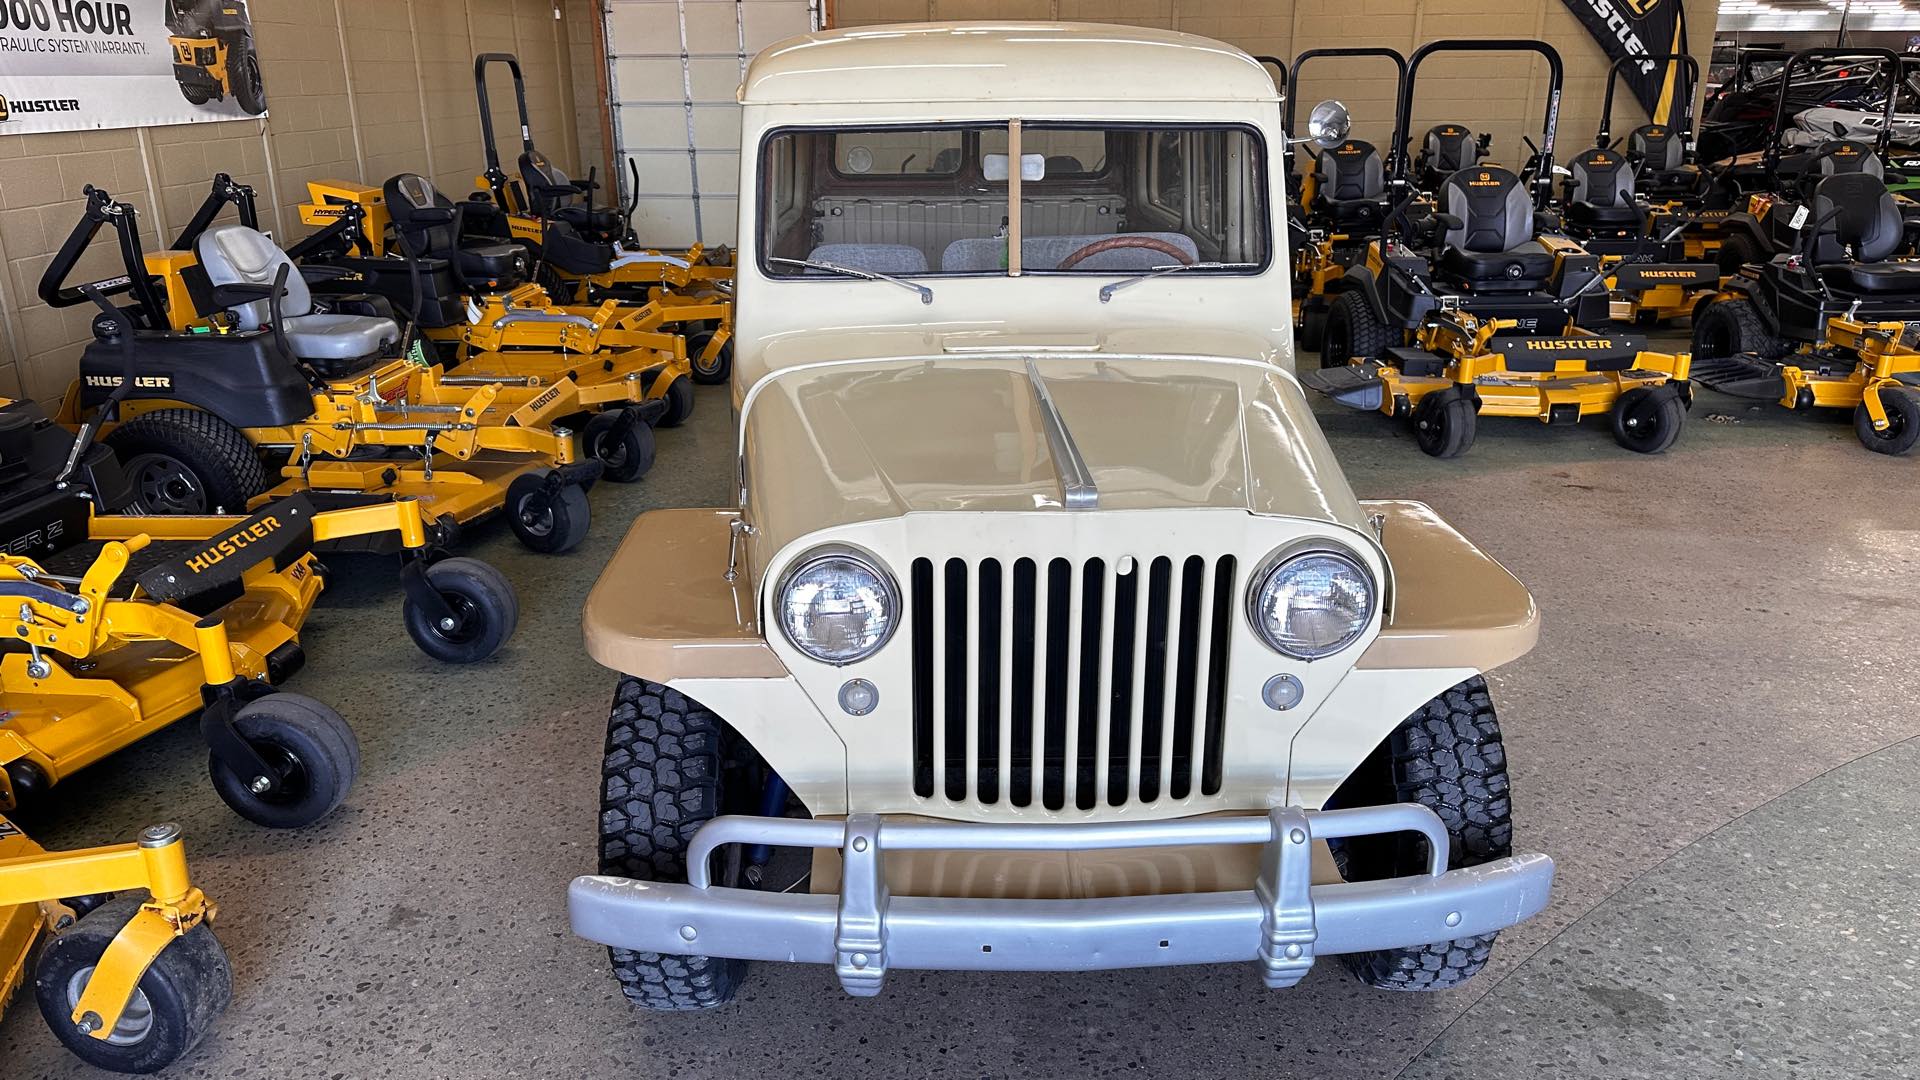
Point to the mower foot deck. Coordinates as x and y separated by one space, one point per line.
1743 376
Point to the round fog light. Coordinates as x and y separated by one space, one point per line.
859 697
1282 692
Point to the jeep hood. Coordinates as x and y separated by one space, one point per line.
841 442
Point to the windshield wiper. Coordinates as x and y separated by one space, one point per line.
1107 291
926 294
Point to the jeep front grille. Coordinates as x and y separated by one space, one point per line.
1069 685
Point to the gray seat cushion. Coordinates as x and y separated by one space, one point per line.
982 254
879 258
339 337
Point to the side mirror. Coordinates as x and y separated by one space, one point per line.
1327 126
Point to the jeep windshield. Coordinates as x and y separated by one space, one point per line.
944 200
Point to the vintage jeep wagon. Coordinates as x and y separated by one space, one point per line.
1045 617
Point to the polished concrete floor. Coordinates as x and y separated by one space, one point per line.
1715 739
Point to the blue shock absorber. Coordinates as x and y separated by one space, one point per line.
773 803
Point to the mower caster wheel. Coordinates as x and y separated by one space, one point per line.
549 520
484 609
679 402
1444 423
623 444
1903 423
1647 419
709 372
173 1006
312 751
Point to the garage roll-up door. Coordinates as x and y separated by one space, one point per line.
673 67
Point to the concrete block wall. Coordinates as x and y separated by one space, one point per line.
357 89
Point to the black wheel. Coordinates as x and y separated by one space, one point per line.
1449 758
485 611
1313 324
309 747
173 1006
184 461
1736 251
709 372
1903 423
1647 419
243 75
1444 423
195 94
670 767
1353 332
625 449
1724 328
679 403
550 522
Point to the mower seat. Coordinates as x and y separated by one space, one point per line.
429 227
1447 149
498 263
1659 158
1494 248
1353 187
1883 278
594 221
555 195
237 255
1600 192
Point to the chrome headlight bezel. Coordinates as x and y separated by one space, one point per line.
867 561
1270 569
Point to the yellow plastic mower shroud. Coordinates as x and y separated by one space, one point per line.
128 984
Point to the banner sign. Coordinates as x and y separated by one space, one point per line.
1639 28
79 65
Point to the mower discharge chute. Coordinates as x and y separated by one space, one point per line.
1477 309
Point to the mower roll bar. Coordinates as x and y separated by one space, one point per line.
102 210
1890 64
496 176
1556 80
1683 101
225 190
1280 66
1400 74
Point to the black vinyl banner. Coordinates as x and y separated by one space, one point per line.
1640 28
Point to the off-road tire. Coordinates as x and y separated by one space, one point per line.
1736 251
660 781
1903 410
1352 332
222 461
1449 758
1728 327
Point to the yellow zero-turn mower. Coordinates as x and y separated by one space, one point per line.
259 374
127 982
1343 200
1830 326
589 252
1650 278
213 55
1472 311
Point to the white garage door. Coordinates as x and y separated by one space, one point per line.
675 65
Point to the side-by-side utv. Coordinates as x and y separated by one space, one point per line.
1476 310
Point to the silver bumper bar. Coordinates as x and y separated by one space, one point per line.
1282 923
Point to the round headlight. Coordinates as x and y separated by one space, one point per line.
1313 604
837 606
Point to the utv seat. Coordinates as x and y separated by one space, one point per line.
879 258
1493 249
1600 192
1859 229
335 343
976 255
425 222
1353 187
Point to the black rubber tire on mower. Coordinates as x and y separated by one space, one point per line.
219 459
664 775
1353 332
484 604
679 402
710 374
1647 419
1444 423
1723 328
1736 251
313 748
1313 323
1903 429
1449 758
551 523
243 73
185 990
626 454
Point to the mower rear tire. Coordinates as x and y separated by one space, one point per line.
310 746
174 1004
624 446
1444 423
185 461
1903 423
549 522
1725 328
1736 251
485 607
243 72
1647 419
1353 332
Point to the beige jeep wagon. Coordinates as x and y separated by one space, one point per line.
1045 618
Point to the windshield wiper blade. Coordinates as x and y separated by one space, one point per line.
1107 290
926 294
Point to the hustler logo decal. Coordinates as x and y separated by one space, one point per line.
233 544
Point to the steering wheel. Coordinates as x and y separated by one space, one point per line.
1125 240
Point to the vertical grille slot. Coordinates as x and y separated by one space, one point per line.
1070 684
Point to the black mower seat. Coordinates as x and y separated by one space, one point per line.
494 263
1494 246
590 221
428 227
1894 277
1604 217
1353 185
1600 191
1528 263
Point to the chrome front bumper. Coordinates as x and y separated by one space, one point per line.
1282 923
